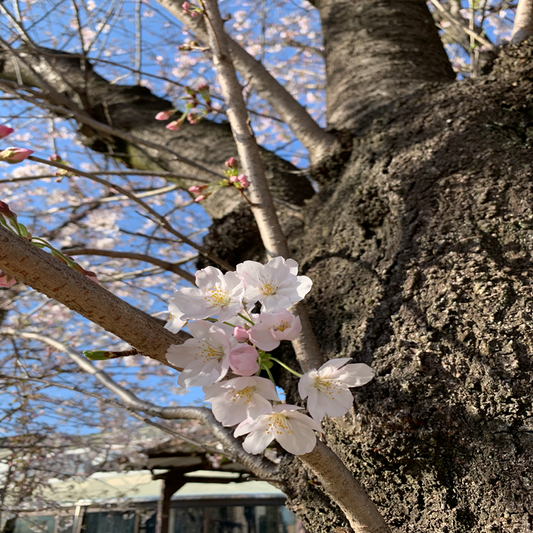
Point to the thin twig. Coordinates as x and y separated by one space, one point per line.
163 222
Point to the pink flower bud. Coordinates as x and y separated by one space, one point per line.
174 125
13 155
234 179
6 280
5 131
193 118
201 197
186 6
194 14
164 115
243 360
241 334
243 180
232 163
197 188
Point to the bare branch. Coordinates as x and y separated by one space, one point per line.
109 401
163 222
317 141
260 466
469 31
165 265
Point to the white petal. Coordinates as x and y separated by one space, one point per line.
257 407
228 413
304 286
181 355
300 439
175 324
293 266
356 375
200 329
208 277
262 337
315 406
257 441
304 386
265 388
334 364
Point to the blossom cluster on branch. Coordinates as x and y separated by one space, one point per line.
226 356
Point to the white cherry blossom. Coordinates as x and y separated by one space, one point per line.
205 357
236 399
293 430
276 284
273 328
327 388
217 294
174 323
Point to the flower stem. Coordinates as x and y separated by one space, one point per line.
270 375
285 367
247 319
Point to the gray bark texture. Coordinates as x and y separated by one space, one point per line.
419 245
420 252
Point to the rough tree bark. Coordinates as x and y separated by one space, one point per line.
419 245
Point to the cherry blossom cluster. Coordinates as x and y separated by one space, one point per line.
191 113
227 354
9 220
233 179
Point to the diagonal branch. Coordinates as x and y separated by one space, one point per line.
48 275
165 265
337 480
274 240
317 141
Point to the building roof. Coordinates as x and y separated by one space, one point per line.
139 486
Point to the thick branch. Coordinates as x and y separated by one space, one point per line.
317 141
346 491
523 22
48 275
119 121
375 52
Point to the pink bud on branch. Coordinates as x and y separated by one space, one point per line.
14 155
232 163
197 188
165 115
174 125
6 280
5 131
243 180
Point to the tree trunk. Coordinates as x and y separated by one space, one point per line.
423 273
